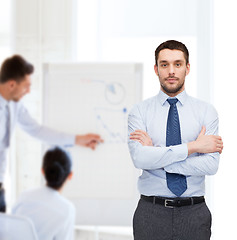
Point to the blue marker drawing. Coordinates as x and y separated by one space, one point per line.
114 92
114 123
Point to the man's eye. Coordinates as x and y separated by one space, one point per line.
163 65
178 64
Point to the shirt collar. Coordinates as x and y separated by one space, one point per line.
3 102
162 97
51 190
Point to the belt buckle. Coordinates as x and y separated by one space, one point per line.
167 202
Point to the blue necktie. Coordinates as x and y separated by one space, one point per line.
176 182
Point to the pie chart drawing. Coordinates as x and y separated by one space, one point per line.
114 93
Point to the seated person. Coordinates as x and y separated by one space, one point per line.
52 214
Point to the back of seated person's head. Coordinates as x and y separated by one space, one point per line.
57 166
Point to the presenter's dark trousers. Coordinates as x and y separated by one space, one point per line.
157 222
2 200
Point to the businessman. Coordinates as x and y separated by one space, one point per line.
173 139
15 83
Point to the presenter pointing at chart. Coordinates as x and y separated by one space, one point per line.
15 83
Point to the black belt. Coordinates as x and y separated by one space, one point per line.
173 202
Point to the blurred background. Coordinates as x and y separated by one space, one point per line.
124 31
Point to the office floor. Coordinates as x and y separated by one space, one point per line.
103 233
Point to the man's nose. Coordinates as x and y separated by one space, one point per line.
171 70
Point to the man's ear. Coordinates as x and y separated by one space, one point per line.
42 171
11 84
70 176
187 69
156 70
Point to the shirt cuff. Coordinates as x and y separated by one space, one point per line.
69 140
181 152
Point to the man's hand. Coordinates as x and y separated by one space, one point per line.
141 137
90 140
205 143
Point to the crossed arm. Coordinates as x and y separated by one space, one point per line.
175 159
208 146
203 143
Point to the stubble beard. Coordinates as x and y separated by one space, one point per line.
172 90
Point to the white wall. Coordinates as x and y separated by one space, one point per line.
5 29
131 30
224 89
42 31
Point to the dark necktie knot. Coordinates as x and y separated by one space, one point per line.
172 101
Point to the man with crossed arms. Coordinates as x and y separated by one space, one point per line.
173 139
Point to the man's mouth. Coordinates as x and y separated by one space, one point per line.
172 80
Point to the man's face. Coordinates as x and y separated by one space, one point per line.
171 69
18 90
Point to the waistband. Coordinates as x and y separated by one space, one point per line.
173 202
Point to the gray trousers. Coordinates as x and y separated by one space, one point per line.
156 222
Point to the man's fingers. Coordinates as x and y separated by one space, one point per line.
139 132
219 146
136 138
219 141
141 137
220 150
96 137
92 145
218 138
136 134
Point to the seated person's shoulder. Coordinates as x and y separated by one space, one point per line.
67 207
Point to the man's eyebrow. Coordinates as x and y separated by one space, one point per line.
165 61
179 60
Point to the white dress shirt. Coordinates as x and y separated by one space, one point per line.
151 116
52 214
20 115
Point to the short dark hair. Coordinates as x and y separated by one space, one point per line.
57 166
15 67
172 45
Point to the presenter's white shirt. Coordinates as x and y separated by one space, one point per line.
19 115
52 214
